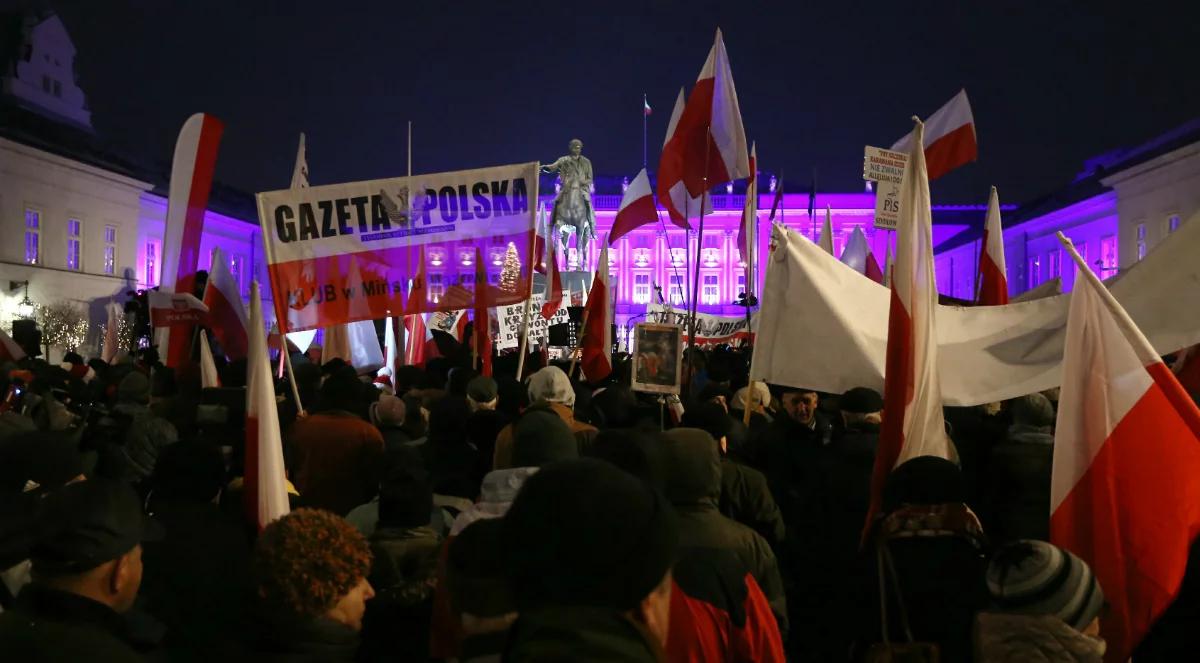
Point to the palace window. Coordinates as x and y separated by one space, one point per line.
436 289
1035 272
1141 241
74 244
1108 256
641 288
1055 264
237 264
741 282
33 228
678 290
151 275
110 249
1172 223
711 294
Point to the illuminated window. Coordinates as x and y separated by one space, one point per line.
641 288
1141 241
741 282
436 289
678 290
1055 265
1172 223
1108 256
711 293
110 249
33 228
74 244
237 265
1035 272
151 275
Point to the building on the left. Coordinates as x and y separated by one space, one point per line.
80 221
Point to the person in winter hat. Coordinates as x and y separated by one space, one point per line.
588 550
551 388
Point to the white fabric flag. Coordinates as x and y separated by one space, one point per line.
208 367
987 354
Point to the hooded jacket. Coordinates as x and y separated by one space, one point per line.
693 486
584 433
581 634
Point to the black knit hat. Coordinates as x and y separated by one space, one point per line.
924 480
1037 578
861 400
709 417
405 498
584 533
539 437
475 571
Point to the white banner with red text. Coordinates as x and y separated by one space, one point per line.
710 329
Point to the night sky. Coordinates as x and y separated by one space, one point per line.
1051 83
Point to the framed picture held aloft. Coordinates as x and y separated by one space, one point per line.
657 358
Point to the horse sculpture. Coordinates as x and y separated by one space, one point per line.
573 205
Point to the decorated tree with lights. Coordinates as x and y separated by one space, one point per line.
510 273
64 325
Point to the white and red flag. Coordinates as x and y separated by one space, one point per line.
872 268
710 130
208 367
300 170
637 207
672 192
949 137
1125 489
542 239
597 335
554 285
191 181
855 253
9 350
392 350
748 231
169 310
264 484
993 279
226 314
914 425
112 330
826 240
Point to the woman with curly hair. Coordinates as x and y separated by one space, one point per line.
311 569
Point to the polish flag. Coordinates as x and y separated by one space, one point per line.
748 231
912 394
888 263
415 337
645 106
191 181
208 367
993 284
264 485
483 324
391 345
856 251
872 269
9 350
1125 489
710 129
554 286
949 139
597 335
300 170
637 207
672 192
169 310
826 240
226 314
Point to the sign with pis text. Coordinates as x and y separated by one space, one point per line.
710 329
510 318
886 169
347 252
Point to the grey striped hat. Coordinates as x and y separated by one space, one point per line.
1036 578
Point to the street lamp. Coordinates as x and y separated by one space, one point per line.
25 306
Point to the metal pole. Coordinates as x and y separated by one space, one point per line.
644 104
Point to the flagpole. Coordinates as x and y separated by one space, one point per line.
696 277
644 105
575 352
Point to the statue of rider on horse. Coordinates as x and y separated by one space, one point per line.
573 205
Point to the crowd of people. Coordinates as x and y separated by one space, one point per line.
444 515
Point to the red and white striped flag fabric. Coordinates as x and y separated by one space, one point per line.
170 310
856 251
1125 488
391 345
111 333
748 231
914 425
542 240
597 336
646 110
191 181
993 279
9 350
949 137
672 192
226 314
872 269
711 125
554 285
208 367
415 334
300 170
637 207
264 484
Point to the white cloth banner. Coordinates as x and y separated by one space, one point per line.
510 318
823 326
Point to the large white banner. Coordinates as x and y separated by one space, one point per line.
823 326
710 329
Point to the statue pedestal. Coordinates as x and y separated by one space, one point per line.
574 281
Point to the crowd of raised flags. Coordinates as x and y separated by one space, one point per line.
1126 478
